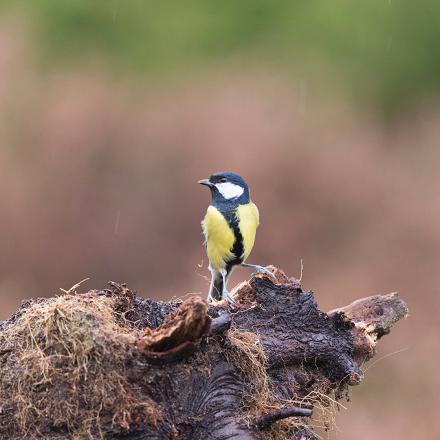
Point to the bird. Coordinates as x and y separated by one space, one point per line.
229 228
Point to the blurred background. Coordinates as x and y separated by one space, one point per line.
110 111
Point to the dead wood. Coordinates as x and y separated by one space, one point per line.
120 366
269 419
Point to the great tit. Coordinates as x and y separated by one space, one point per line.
229 228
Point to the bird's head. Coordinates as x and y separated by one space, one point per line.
227 187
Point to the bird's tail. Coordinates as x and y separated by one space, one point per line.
216 287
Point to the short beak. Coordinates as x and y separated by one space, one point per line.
205 182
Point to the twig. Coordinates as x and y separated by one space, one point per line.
384 357
74 287
284 413
302 269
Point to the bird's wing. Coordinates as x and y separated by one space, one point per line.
249 219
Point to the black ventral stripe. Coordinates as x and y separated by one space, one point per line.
229 213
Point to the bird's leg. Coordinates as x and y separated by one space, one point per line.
225 293
215 293
210 298
259 269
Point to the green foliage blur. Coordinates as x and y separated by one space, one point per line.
386 52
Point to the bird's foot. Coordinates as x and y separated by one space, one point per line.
259 269
227 296
264 270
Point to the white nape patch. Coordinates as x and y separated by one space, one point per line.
229 190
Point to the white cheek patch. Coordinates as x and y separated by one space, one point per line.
229 190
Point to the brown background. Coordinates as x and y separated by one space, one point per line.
98 179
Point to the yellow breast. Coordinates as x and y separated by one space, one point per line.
219 236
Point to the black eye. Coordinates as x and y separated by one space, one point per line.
223 179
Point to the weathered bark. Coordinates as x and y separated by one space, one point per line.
214 372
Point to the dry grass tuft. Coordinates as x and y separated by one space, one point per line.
325 409
249 357
69 349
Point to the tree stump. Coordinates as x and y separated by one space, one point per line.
110 364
